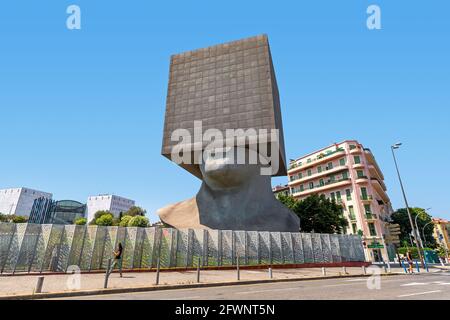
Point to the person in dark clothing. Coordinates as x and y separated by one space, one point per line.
117 259
410 261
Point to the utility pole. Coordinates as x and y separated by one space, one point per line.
396 146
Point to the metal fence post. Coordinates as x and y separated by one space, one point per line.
108 272
237 268
198 270
158 267
270 273
364 270
344 270
324 271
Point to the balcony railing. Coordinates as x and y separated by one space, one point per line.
319 157
371 216
324 185
366 198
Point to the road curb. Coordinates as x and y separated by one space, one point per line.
67 294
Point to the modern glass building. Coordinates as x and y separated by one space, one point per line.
46 211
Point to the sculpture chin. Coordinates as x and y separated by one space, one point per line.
232 197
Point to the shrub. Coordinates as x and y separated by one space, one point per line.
80 221
105 220
138 221
125 220
19 219
98 215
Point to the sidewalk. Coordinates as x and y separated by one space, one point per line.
25 285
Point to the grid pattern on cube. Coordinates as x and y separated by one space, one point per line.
7 231
317 248
227 86
326 248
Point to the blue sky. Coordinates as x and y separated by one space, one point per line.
81 111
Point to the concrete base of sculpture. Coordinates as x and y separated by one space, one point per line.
232 197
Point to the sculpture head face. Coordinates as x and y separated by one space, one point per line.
220 169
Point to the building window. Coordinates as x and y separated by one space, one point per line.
308 161
342 162
351 212
360 173
321 182
354 228
368 210
372 230
344 175
300 175
330 165
311 185
357 159
364 194
333 196
302 188
319 169
352 146
309 172
348 193
338 195
332 178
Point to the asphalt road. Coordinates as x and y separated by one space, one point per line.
433 286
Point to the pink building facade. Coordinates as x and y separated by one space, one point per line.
348 173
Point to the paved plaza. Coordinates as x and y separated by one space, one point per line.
26 284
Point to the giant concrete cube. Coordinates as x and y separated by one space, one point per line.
227 86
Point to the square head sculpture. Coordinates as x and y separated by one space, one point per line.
226 86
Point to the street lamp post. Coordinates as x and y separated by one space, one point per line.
417 228
396 146
423 231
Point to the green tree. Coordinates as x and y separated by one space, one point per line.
19 219
80 221
135 211
97 215
401 217
3 217
317 214
138 221
125 220
105 220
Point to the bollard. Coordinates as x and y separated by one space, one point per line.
426 265
364 270
344 270
198 271
158 267
388 267
417 267
108 272
39 285
270 273
237 267
324 271
384 268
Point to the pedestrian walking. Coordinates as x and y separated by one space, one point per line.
117 259
410 262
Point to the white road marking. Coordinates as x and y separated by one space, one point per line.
183 298
418 293
357 280
414 284
261 291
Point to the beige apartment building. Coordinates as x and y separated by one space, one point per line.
348 173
